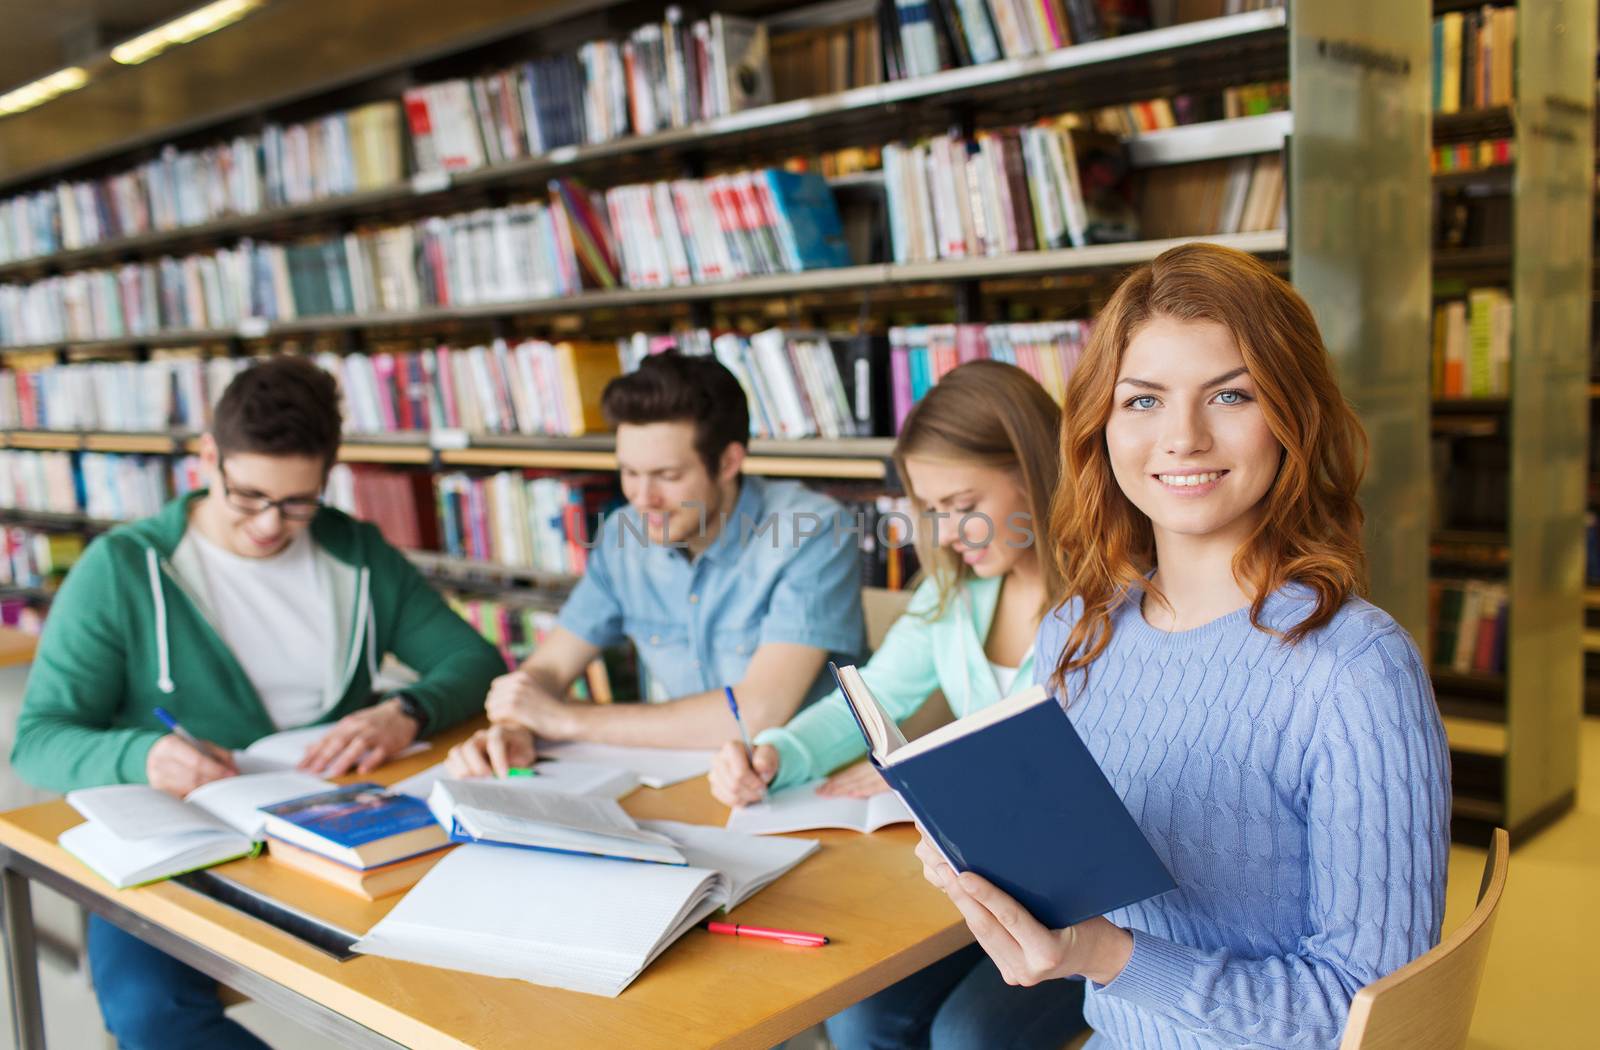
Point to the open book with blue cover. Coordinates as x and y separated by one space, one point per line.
1011 793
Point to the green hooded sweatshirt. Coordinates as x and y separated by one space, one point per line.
129 631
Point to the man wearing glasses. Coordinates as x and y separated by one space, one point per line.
243 609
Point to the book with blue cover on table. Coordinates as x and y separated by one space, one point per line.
359 825
1012 794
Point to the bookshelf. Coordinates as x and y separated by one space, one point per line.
1358 90
1513 725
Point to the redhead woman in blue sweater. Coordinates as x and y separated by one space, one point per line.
1274 735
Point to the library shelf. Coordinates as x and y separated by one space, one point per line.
864 459
1224 41
846 278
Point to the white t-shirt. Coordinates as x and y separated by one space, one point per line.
276 616
1004 677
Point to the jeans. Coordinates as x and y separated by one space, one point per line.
962 1003
151 1001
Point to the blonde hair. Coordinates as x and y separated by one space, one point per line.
996 415
1310 531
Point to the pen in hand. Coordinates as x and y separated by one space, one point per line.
738 720
205 748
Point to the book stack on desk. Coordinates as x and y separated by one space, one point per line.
360 837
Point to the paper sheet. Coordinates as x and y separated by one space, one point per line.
657 767
800 808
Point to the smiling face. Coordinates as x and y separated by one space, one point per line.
1188 442
246 479
665 481
979 504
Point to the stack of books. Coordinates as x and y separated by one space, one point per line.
360 837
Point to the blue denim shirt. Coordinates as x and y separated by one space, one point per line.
780 570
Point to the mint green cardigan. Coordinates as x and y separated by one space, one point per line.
917 656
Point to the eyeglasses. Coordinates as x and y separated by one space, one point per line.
295 508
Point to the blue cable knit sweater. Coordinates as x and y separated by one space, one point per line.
1300 796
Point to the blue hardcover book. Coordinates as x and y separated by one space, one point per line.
358 825
809 230
1012 794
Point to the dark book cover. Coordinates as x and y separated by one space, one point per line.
354 815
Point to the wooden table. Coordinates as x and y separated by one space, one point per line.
866 892
16 646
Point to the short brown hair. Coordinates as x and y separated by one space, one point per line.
1311 529
284 406
680 388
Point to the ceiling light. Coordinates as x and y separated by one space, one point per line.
38 92
181 30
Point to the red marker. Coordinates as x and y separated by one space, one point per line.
737 929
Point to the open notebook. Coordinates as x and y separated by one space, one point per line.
581 923
800 808
135 834
500 813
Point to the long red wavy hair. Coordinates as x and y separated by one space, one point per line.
1310 531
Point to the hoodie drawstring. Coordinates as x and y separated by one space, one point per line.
163 658
372 635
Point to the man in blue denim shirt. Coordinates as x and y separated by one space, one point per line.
718 579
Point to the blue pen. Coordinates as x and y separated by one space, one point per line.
208 750
733 705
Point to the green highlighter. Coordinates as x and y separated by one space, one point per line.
522 771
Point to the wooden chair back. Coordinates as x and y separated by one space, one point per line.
1427 1004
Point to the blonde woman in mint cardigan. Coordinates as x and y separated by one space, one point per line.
979 459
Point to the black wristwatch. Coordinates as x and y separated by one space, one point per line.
413 710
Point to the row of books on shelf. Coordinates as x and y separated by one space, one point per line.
101 485
34 558
166 392
650 236
334 155
532 387
919 355
1237 195
1005 190
1132 119
666 74
516 627
1472 156
798 383
1467 620
1472 345
1474 59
